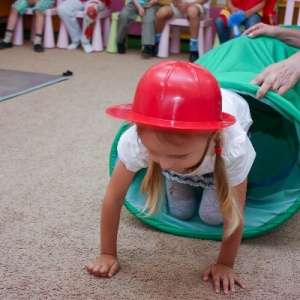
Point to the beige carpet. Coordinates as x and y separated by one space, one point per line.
55 144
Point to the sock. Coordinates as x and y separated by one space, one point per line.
193 45
37 39
8 36
157 38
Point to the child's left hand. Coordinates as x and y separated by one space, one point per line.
183 7
222 276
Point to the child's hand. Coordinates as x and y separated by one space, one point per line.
222 276
105 265
183 7
141 11
32 2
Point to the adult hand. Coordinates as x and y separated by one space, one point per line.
261 29
105 266
279 77
222 276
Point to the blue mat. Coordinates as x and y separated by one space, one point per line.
14 83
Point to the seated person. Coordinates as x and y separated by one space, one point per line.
67 12
18 8
145 9
236 13
190 9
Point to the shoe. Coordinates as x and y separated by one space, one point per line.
73 46
87 48
4 45
121 48
38 48
194 55
148 51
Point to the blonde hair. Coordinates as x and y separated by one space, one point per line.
152 188
227 197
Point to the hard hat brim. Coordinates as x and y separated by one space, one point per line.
124 112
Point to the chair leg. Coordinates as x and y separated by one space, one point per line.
208 39
63 38
97 36
201 41
163 47
18 38
106 27
32 30
112 46
48 33
175 40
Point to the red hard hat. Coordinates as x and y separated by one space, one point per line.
176 95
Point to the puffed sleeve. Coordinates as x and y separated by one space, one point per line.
131 151
238 156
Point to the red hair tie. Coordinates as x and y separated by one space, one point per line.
218 149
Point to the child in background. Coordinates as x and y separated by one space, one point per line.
193 10
18 8
181 132
236 13
147 10
67 12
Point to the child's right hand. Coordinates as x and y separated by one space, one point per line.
105 266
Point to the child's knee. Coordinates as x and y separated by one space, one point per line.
209 210
181 199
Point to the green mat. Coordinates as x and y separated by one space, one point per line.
14 83
273 194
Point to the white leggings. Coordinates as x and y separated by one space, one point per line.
183 203
67 12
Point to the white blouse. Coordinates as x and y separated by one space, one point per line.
237 150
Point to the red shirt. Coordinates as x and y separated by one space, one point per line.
245 5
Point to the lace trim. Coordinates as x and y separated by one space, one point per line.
205 181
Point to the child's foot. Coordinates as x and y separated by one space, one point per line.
194 55
148 51
87 48
73 46
4 45
38 48
121 48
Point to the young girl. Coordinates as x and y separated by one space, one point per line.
180 130
193 10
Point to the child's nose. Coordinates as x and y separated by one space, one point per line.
166 163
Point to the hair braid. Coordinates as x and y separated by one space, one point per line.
228 201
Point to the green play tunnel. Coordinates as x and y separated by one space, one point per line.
273 194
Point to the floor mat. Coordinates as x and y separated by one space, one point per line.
14 83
